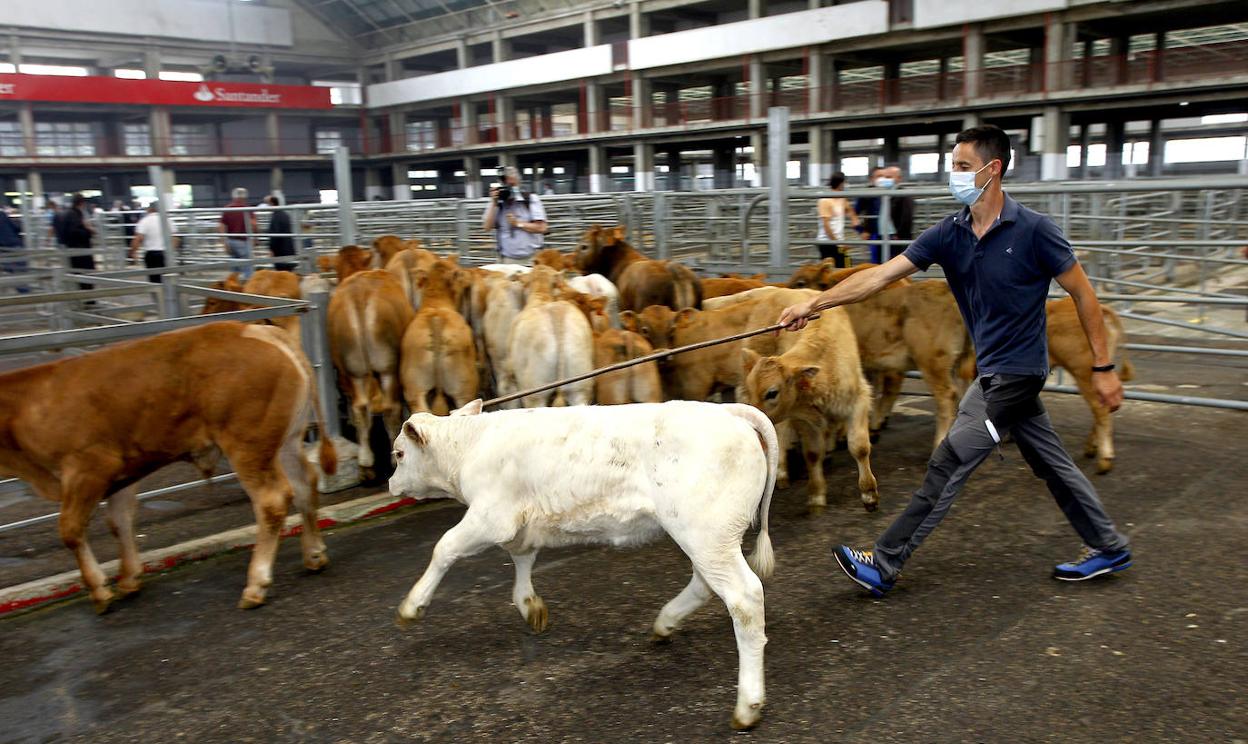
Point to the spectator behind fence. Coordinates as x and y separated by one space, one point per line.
281 240
74 231
832 213
238 227
901 212
149 234
11 240
517 219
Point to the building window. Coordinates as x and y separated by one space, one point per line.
422 135
136 139
12 143
192 139
328 141
342 93
64 139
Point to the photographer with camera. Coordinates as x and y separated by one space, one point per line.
517 219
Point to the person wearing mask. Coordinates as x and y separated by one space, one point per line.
868 209
832 213
281 241
76 233
11 240
237 228
517 219
901 213
999 258
149 234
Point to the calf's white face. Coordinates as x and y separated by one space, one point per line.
415 473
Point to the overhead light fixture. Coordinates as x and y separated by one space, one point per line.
1183 103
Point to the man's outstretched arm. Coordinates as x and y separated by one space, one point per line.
1108 386
856 288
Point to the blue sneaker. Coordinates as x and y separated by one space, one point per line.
859 565
1093 563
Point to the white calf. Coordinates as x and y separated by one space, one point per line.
507 269
598 285
619 475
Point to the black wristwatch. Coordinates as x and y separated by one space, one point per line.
1104 368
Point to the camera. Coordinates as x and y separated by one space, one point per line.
504 195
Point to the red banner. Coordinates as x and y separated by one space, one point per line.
17 87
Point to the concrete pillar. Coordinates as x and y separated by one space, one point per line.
399 180
393 69
472 178
816 78
756 8
273 130
26 117
757 89
942 147
674 166
372 184
1115 136
590 32
462 58
505 118
1156 149
971 119
160 129
1083 152
1118 48
892 150
545 120
469 121
813 4
595 109
1058 38
820 165
500 48
758 141
15 51
1159 57
643 166
598 172
973 60
638 22
1055 132
507 160
276 179
151 63
397 121
642 101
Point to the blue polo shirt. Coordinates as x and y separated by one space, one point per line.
1001 282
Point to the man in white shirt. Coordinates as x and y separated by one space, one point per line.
150 236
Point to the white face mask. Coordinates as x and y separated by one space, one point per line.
886 183
962 186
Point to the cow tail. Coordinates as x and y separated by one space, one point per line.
763 559
437 350
1126 370
327 456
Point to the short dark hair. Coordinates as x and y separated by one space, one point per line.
77 200
836 180
990 141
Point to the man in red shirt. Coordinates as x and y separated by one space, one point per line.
237 229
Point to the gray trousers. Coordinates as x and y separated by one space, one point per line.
968 443
240 248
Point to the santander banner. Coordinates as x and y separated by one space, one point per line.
17 87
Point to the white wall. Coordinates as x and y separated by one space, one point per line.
928 13
204 20
788 31
547 68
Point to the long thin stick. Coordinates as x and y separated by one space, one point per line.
656 356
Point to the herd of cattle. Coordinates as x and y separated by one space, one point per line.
411 329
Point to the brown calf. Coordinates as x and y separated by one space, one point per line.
439 358
642 282
87 428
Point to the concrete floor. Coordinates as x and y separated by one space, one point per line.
976 643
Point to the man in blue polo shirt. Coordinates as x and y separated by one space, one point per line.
998 258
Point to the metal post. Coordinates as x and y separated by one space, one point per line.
169 304
661 226
316 343
163 196
342 181
886 241
29 229
778 184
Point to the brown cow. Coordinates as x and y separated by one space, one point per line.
636 384
730 285
817 386
266 282
366 319
642 282
439 358
1069 349
555 259
405 264
351 259
694 375
86 428
387 247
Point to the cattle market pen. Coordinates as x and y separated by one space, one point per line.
1150 246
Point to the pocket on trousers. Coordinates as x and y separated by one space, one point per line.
970 439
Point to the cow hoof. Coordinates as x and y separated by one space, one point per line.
538 616
748 720
871 505
658 639
128 587
103 605
250 600
406 622
316 562
1104 465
